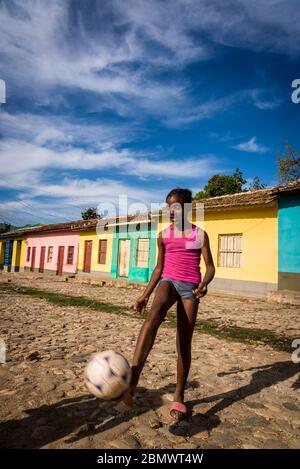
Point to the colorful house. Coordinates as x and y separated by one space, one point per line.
70 248
134 248
254 239
95 251
289 236
52 252
44 248
6 254
242 229
12 252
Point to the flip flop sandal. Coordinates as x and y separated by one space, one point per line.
179 407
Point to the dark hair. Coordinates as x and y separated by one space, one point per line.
184 194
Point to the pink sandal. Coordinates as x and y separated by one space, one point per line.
179 407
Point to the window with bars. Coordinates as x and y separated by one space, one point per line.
70 255
102 251
230 250
28 254
142 252
50 254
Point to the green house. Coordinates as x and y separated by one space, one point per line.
134 251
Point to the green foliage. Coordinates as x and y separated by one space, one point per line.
288 163
4 227
221 184
90 213
256 184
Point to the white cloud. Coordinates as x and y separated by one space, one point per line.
125 57
265 100
251 146
54 202
46 154
32 157
206 110
53 130
41 52
120 50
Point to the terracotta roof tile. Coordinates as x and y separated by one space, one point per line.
261 197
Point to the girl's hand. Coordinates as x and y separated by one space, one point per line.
140 304
201 290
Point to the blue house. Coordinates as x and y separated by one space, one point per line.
289 236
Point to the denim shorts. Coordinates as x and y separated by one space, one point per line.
184 289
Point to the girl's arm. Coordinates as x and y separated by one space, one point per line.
155 277
201 290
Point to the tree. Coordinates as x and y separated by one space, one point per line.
90 213
256 184
4 227
288 163
221 184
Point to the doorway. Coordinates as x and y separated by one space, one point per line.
18 256
87 256
42 259
60 260
124 254
32 259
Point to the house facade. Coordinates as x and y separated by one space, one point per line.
244 246
289 237
95 253
254 239
12 253
134 248
52 252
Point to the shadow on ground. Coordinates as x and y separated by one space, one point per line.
76 418
263 377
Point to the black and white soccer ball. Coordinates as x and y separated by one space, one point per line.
107 375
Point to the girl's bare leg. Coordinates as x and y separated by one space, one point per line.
165 297
186 319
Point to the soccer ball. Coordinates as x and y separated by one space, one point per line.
107 375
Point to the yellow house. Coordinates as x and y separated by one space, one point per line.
243 233
95 253
18 254
12 253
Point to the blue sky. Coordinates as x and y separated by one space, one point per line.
137 97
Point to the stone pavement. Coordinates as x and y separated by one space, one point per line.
226 310
241 396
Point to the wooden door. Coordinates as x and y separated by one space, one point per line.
18 256
42 259
60 260
87 256
33 250
124 253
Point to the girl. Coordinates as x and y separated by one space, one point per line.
178 279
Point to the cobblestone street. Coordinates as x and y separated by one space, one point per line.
241 395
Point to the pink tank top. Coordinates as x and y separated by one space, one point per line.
182 255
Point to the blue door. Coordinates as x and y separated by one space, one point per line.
8 254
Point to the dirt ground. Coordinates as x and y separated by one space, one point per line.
241 395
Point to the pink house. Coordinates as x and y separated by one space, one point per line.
52 252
